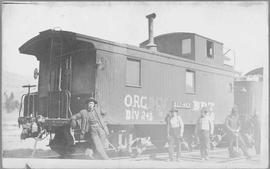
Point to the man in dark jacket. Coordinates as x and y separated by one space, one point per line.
92 124
233 126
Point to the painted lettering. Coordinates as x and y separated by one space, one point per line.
128 101
136 114
136 101
196 105
128 114
138 107
150 116
182 105
151 103
143 115
203 104
143 102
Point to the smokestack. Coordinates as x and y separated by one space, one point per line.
151 44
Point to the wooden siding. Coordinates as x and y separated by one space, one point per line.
163 82
110 84
83 74
248 101
172 44
201 54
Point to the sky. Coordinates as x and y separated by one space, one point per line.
240 26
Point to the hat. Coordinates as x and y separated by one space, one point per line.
90 99
204 110
173 110
234 109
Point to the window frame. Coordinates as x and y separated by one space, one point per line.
140 73
189 53
213 47
231 87
194 81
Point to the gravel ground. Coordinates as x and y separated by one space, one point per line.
186 162
13 146
17 153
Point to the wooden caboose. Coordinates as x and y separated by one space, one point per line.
135 86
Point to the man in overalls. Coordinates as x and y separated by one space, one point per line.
175 130
204 128
93 125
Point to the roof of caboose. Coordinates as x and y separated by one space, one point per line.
179 34
257 71
42 41
253 75
36 44
41 44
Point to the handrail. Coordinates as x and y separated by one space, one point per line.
22 98
69 96
67 102
33 104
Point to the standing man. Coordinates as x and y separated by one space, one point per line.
204 128
257 132
175 130
233 126
93 125
246 130
212 116
213 140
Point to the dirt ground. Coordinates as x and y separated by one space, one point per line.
17 152
13 146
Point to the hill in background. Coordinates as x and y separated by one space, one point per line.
12 82
12 90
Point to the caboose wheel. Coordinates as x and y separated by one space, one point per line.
159 144
62 143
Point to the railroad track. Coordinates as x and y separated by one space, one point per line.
218 159
217 156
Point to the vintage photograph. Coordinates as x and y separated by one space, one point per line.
151 84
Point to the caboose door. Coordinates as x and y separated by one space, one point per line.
83 78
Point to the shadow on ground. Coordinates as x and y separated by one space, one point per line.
26 153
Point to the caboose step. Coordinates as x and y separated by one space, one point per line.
56 122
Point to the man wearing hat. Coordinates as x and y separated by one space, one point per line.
204 128
175 130
92 124
233 127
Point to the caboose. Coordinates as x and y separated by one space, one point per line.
135 86
248 92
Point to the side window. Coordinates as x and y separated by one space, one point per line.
190 81
186 46
210 49
230 87
133 72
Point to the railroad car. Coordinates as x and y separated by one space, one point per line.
135 86
248 92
